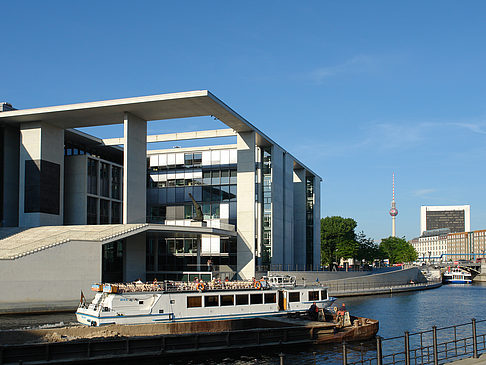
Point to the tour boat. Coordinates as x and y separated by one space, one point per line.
168 301
457 276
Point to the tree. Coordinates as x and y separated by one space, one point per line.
398 250
337 239
368 250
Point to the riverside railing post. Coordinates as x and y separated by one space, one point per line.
379 354
436 354
407 348
475 339
345 354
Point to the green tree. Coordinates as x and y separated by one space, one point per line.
368 250
337 239
397 250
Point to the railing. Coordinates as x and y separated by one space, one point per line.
342 287
434 346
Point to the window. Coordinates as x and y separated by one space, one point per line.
294 296
313 295
211 301
241 299
256 298
194 302
270 298
227 300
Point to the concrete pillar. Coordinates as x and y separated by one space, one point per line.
41 175
282 208
299 218
134 170
246 211
134 258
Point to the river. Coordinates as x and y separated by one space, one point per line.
412 311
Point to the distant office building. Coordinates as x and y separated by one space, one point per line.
455 217
438 245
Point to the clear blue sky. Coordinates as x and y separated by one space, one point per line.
356 90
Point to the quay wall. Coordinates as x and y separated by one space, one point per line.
381 278
50 278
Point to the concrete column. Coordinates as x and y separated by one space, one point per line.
134 170
299 218
41 175
317 222
246 211
282 208
134 258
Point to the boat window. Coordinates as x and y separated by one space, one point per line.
211 301
227 300
313 295
323 294
256 298
294 296
241 299
270 298
140 302
193 302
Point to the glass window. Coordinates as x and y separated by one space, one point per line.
206 194
197 159
188 159
92 210
188 212
206 210
225 174
225 193
215 177
215 194
313 295
233 192
206 179
211 301
233 177
104 211
115 213
241 299
105 179
115 182
227 300
270 298
215 211
256 298
92 177
194 302
294 296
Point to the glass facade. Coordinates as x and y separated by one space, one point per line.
266 179
112 262
210 177
309 221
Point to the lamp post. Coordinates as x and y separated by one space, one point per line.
429 257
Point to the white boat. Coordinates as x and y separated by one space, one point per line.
456 276
166 302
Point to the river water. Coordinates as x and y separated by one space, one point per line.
412 311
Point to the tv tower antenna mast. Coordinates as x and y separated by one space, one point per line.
393 210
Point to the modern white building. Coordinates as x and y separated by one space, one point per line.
77 209
455 217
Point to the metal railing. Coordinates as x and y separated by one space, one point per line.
434 346
342 287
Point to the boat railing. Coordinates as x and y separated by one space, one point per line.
180 286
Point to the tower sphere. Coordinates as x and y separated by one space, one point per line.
393 212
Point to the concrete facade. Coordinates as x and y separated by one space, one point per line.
42 184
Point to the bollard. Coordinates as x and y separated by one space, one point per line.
379 354
475 339
436 353
345 354
407 348
315 359
281 358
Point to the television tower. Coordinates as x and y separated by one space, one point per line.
393 210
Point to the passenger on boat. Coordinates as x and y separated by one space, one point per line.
313 312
